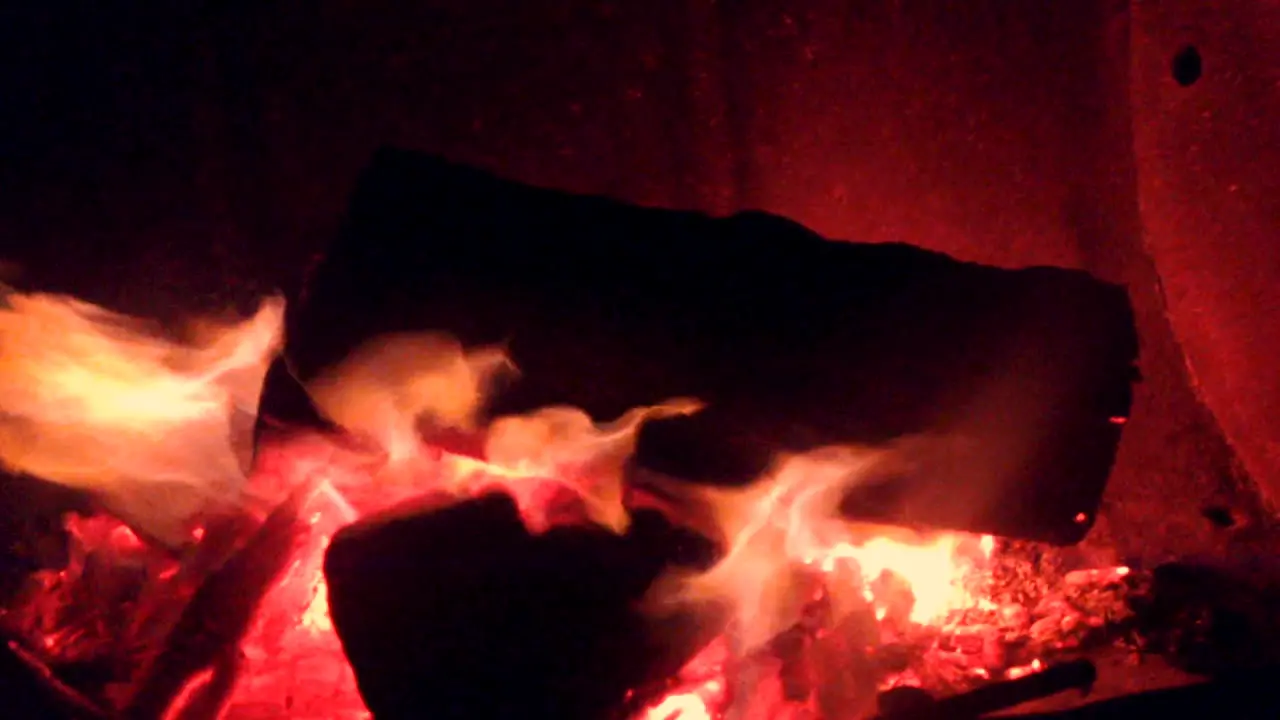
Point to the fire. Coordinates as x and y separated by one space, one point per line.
931 570
684 706
564 443
700 688
786 527
395 389
106 403
791 561
390 387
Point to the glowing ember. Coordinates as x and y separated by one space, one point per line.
931 571
690 705
101 402
315 619
699 688
789 521
1022 671
294 665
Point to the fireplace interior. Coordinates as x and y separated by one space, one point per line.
565 359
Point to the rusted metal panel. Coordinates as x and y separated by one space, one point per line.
1208 152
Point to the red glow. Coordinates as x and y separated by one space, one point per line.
294 664
125 539
699 689
190 690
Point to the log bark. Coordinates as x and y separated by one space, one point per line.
1015 379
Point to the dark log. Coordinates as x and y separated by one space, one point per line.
31 691
1075 675
1245 695
461 613
1013 378
1212 619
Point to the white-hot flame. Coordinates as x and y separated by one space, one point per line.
158 428
785 526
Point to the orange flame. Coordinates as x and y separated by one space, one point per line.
386 389
103 402
564 443
155 427
786 525
393 386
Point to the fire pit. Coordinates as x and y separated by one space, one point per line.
450 514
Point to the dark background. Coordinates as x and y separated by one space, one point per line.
172 157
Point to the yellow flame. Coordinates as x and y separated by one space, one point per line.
565 443
390 385
929 568
786 526
104 402
682 706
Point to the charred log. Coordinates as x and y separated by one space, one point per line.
31 690
1014 383
1078 675
1246 695
461 613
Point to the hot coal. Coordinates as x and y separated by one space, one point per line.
462 613
530 614
1018 381
31 529
198 664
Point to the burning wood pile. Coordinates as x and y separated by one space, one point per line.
132 626
536 474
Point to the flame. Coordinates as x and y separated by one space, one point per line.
103 402
786 527
390 385
565 443
691 705
393 386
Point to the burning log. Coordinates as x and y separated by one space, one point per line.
462 613
1012 384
